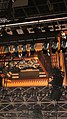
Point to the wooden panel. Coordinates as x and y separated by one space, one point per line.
29 74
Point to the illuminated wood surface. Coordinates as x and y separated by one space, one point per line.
25 82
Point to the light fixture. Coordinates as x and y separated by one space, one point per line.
19 54
45 47
54 46
11 49
63 35
63 42
8 31
16 50
19 50
24 50
19 30
7 50
3 32
32 49
63 46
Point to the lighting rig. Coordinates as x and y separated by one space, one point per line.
21 50
34 97
63 44
32 49
21 47
54 46
45 48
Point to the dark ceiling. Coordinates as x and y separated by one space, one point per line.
33 9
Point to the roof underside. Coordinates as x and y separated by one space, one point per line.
34 8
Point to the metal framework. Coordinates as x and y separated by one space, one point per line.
34 8
31 102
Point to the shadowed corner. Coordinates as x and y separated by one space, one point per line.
57 83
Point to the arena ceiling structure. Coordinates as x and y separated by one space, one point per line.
33 8
33 40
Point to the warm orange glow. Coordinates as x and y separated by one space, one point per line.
43 67
61 61
39 81
25 82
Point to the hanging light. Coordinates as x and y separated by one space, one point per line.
24 50
45 47
16 50
7 50
63 35
63 45
12 49
19 48
32 49
54 46
19 54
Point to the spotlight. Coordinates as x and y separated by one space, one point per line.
63 35
24 50
7 50
54 46
4 33
16 50
19 49
19 54
45 47
63 45
8 31
32 49
12 49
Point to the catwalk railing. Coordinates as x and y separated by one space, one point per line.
31 102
